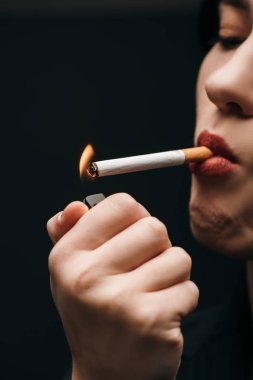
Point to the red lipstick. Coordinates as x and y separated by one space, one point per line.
223 162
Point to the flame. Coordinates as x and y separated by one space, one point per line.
85 159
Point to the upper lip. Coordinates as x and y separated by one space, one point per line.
217 145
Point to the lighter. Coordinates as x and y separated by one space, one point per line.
93 200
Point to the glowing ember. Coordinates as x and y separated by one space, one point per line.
85 160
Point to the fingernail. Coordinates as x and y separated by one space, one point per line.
59 216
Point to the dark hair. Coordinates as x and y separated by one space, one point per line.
208 23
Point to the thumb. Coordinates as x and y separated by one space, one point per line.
62 222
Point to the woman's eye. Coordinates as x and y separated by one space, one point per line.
229 43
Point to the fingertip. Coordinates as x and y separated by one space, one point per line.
64 220
70 215
73 210
54 219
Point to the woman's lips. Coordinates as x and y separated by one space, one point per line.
223 162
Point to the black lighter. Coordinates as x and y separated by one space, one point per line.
93 200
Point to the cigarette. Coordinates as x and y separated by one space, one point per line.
148 161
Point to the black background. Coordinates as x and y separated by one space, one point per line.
123 82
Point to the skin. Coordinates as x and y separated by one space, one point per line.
121 290
221 208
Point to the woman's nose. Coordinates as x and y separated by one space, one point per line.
230 87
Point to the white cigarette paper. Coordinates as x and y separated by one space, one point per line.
147 161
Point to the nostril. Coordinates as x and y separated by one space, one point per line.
234 108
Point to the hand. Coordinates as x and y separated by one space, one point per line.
120 289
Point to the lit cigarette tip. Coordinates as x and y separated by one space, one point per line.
85 159
92 170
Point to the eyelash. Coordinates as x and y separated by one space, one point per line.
227 43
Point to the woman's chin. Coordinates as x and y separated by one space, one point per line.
223 235
213 243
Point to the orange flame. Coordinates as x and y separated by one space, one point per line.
85 159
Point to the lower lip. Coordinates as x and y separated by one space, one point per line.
216 166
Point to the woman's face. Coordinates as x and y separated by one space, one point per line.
221 205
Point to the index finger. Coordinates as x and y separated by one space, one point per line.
101 223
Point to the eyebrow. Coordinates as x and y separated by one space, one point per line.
242 4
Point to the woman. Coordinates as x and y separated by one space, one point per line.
120 288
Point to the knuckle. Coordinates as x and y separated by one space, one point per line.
85 279
58 256
68 274
148 319
185 258
112 300
53 260
175 339
144 319
123 202
155 227
193 292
